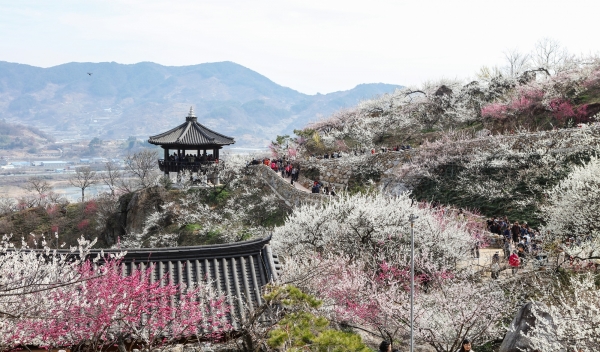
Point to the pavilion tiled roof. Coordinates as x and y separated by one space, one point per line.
191 133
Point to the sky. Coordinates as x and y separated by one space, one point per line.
309 45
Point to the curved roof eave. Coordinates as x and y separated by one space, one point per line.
191 133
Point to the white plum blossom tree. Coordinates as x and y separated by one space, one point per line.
364 225
354 252
569 317
573 207
26 276
572 213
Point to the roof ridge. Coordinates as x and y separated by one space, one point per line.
217 133
168 132
199 129
240 244
185 131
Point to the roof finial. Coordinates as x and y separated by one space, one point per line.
191 112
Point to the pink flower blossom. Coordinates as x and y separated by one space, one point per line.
83 224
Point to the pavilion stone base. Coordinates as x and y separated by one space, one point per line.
212 179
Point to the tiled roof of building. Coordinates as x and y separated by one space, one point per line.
238 270
191 133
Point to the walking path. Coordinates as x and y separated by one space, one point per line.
292 195
297 184
483 264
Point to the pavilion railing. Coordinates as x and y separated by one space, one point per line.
186 165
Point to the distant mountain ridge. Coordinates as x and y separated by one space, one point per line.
111 100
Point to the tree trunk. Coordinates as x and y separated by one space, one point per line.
121 343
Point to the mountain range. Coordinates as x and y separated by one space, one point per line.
112 101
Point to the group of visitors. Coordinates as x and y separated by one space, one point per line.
332 155
319 188
360 151
519 241
396 148
192 158
286 167
292 171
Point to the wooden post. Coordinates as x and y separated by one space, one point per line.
166 161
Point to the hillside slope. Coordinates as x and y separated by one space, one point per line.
15 136
497 145
117 101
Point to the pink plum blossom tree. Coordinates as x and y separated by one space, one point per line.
107 308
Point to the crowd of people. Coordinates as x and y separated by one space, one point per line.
361 151
319 188
401 147
520 242
332 155
286 167
291 170
192 158
396 148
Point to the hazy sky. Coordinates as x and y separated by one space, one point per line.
308 45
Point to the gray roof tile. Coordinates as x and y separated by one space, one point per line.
238 270
191 133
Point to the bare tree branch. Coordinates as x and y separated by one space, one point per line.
84 178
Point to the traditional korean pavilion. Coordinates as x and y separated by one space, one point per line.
189 138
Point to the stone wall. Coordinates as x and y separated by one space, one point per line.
391 162
339 171
334 172
284 189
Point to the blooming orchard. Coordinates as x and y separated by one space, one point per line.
355 251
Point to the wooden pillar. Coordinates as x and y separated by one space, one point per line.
216 153
166 161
